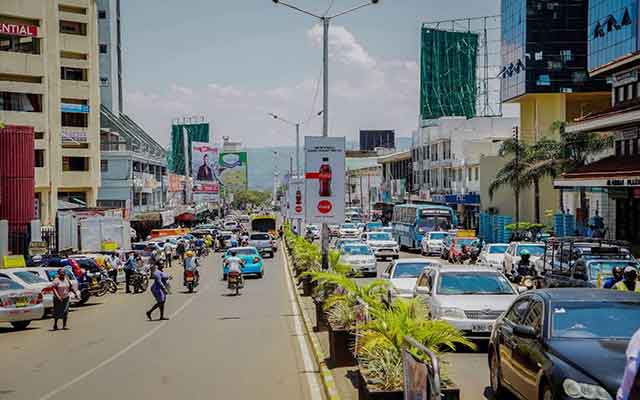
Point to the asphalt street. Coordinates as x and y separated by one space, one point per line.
214 346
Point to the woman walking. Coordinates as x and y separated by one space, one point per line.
61 287
159 289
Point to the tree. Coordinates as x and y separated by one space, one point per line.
512 173
244 198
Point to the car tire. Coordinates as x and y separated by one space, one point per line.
224 277
545 392
494 376
260 275
20 325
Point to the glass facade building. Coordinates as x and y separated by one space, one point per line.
544 48
613 31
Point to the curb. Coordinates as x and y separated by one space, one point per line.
327 378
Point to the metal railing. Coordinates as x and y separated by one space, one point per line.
433 369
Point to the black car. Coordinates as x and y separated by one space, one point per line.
563 344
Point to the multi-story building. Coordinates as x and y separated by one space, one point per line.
544 70
609 188
49 80
363 180
397 177
446 156
370 139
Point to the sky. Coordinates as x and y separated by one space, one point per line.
236 61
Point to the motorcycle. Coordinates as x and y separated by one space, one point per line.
140 280
234 282
191 280
107 283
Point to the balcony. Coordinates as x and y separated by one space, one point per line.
74 43
35 119
75 90
22 64
76 3
77 179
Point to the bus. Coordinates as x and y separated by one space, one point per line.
264 223
411 221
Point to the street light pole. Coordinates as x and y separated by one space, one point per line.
326 20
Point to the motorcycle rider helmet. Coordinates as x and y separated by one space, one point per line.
630 274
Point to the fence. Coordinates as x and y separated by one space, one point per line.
421 379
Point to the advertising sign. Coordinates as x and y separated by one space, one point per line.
74 108
11 29
74 135
204 167
324 179
175 183
415 377
296 199
234 171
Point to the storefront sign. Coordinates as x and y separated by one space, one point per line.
18 29
324 176
74 108
624 182
73 136
598 183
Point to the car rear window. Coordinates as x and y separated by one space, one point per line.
259 236
29 277
7 284
594 320
245 252
458 283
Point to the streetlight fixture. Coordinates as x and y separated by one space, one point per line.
326 21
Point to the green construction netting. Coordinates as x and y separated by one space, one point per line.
196 132
448 73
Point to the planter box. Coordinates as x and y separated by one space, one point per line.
340 343
307 286
366 392
321 318
450 393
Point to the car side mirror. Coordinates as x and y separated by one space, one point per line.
385 275
524 331
522 289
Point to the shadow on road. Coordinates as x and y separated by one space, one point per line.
10 329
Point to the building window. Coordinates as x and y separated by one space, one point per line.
39 135
18 44
39 158
102 14
566 55
72 55
630 91
73 28
620 96
627 147
103 49
73 10
73 197
618 148
635 147
104 165
76 120
70 164
477 176
21 102
73 74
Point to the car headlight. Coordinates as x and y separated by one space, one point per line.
452 312
579 390
420 230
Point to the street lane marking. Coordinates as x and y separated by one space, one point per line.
312 379
122 352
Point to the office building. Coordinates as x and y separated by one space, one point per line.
370 139
49 81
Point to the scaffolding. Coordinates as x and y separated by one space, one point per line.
460 67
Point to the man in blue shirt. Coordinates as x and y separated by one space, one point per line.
617 277
129 269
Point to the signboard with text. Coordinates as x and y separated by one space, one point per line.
11 29
234 171
204 166
324 179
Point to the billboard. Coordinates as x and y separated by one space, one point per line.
295 199
195 133
234 171
204 170
324 166
448 62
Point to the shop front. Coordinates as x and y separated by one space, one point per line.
467 207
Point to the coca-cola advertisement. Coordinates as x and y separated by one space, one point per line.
324 179
296 198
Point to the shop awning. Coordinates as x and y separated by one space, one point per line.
186 217
612 172
611 119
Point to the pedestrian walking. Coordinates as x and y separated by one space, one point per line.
159 289
630 387
129 269
168 255
61 286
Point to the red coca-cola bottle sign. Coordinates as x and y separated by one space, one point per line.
325 206
324 178
298 208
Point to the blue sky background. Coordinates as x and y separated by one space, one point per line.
235 61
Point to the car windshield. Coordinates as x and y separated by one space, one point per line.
7 284
348 226
437 235
465 242
534 250
497 249
408 270
29 278
356 250
244 252
605 268
473 283
594 320
379 236
372 225
259 236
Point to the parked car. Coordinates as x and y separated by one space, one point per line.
262 242
404 272
492 255
348 230
50 273
512 255
31 281
382 244
563 344
469 297
360 257
253 263
432 243
18 305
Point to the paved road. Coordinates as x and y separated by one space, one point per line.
214 346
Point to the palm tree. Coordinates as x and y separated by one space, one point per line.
512 173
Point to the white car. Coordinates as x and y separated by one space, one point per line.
432 243
360 257
402 275
315 230
469 297
492 255
231 226
348 230
382 244
20 306
32 281
512 255
50 273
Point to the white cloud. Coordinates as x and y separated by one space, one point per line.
365 93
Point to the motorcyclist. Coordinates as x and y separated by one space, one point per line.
629 282
235 264
617 273
244 238
191 263
525 267
199 246
208 240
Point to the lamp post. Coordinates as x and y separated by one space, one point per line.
326 21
